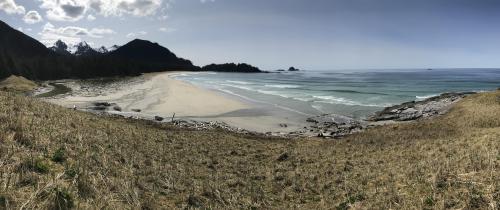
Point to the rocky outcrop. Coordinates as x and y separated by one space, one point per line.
419 109
333 126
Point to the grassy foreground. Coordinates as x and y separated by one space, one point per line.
53 158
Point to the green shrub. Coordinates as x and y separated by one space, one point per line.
59 155
41 166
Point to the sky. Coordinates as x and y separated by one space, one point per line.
274 34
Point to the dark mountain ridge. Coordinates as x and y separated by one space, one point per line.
22 55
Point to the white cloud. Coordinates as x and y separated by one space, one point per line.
90 18
21 29
72 10
135 35
70 34
32 17
204 1
166 30
10 7
63 10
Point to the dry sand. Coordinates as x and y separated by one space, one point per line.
160 94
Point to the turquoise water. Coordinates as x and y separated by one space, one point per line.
354 93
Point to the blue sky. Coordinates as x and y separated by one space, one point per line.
272 34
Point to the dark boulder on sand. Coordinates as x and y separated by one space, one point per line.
105 104
117 108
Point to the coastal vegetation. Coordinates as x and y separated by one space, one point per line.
231 67
55 158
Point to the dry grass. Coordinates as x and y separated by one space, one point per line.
17 84
56 158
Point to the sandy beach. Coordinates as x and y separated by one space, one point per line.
160 94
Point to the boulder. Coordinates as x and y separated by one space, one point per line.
105 104
117 108
158 118
136 110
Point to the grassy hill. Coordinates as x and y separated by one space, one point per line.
54 158
17 84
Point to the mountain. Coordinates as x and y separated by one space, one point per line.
17 43
21 54
24 56
102 50
113 48
84 49
80 49
155 55
60 48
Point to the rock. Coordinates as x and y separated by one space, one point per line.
136 110
158 118
117 108
409 114
105 104
293 69
419 109
99 108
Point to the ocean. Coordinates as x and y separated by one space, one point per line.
353 93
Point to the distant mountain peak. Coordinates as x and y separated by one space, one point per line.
60 47
102 50
113 48
83 44
84 49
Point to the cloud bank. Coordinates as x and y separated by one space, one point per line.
70 34
10 7
72 10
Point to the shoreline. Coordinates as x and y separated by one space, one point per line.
160 94
161 97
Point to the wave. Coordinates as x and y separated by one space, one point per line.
421 98
358 92
239 82
283 86
344 101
